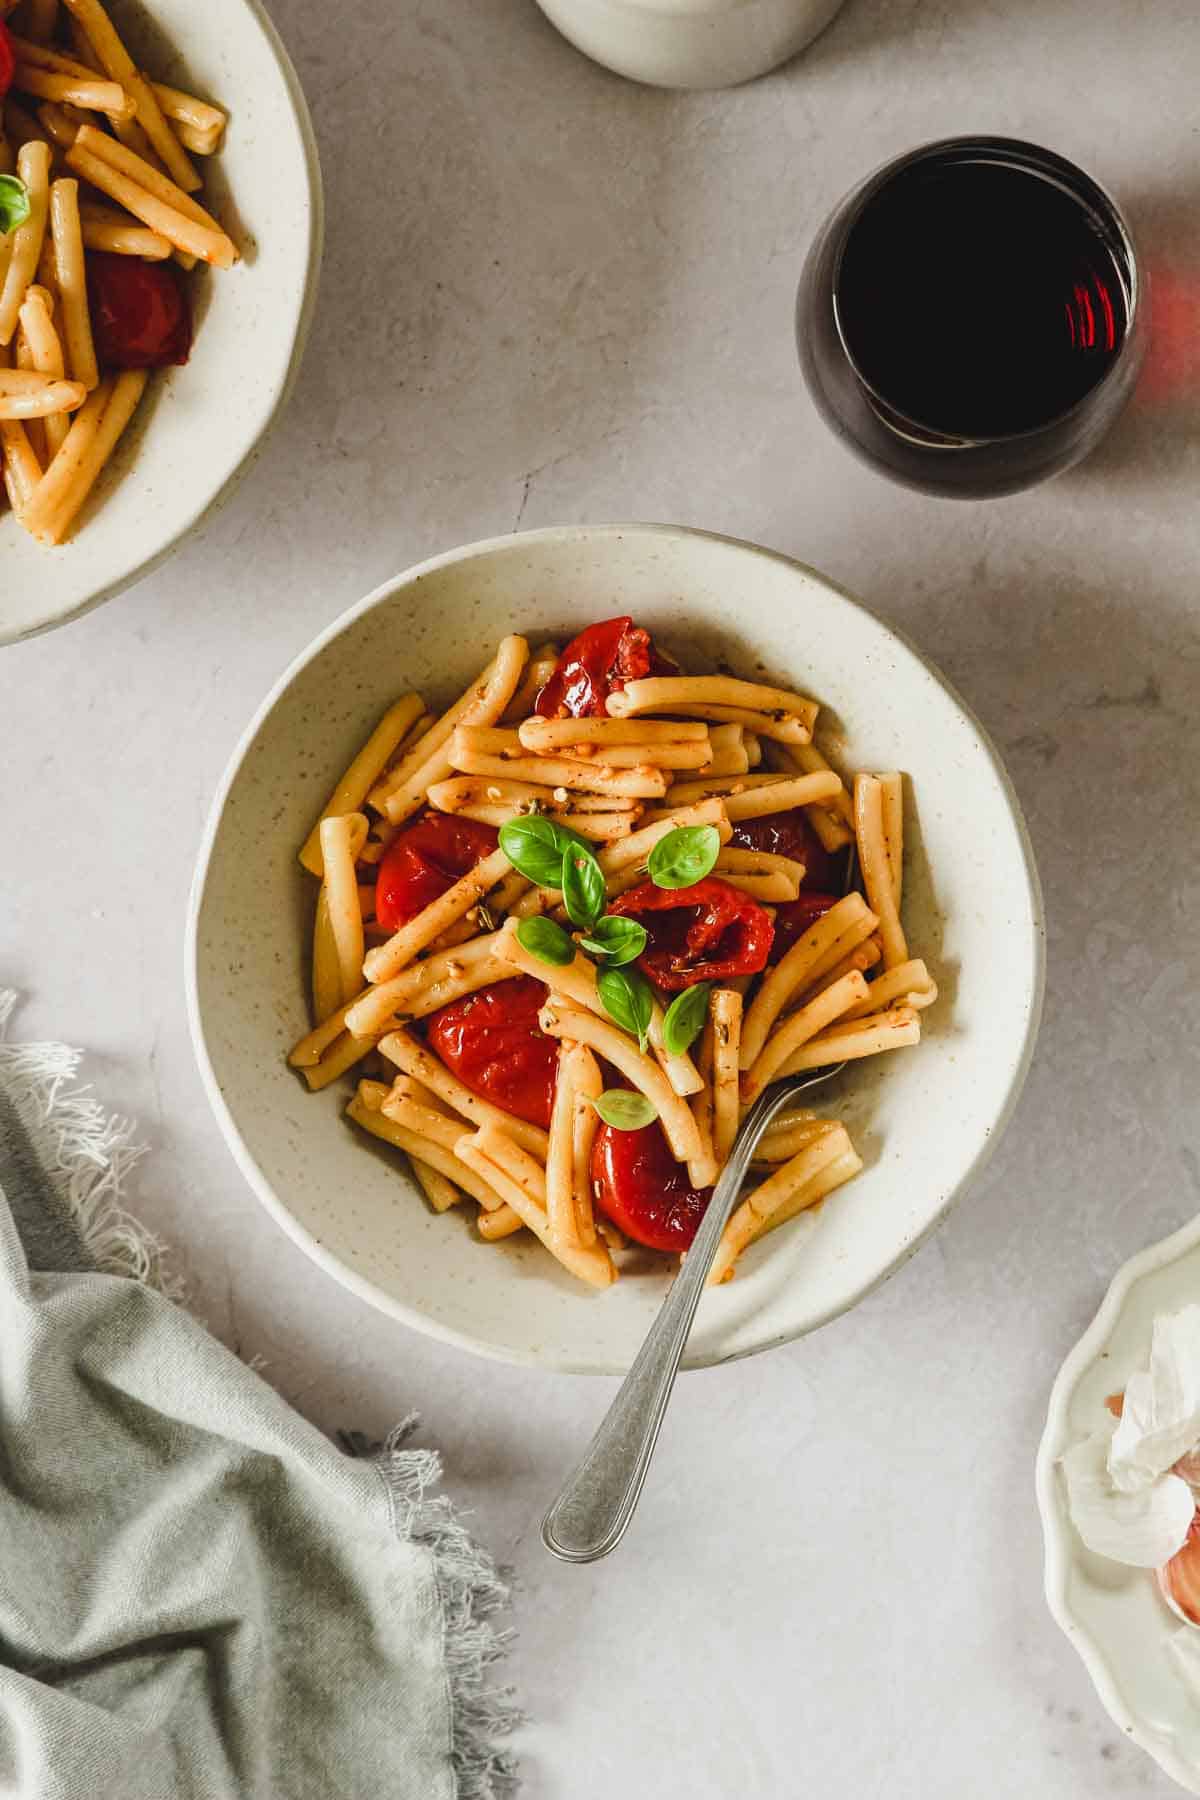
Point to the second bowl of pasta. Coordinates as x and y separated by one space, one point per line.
684 821
160 239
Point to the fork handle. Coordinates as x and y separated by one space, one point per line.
590 1515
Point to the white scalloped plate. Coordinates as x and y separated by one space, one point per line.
200 427
1114 1615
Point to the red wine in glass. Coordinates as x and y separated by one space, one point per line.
969 319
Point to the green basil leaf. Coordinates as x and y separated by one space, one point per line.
626 998
625 1109
535 846
684 856
617 940
547 941
583 890
685 1018
14 203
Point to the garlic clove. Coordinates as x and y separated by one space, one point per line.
1144 1528
1160 1412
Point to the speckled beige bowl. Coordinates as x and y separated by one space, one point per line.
199 427
925 1119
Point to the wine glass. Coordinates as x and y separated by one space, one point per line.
970 318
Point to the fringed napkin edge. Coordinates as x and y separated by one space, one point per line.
89 1155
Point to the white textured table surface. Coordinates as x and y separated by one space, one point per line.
550 295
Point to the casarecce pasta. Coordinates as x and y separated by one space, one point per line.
581 920
98 217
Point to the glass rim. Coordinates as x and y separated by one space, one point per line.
1025 152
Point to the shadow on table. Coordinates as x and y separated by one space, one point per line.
499 289
1089 690
869 30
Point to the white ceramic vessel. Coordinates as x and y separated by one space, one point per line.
200 426
690 43
924 1120
1114 1615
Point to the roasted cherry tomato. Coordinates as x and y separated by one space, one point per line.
596 664
793 918
140 317
638 1184
425 860
8 61
493 1043
790 834
706 932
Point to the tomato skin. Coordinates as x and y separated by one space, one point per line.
8 60
790 834
140 316
596 664
425 860
706 932
793 918
637 1183
492 1041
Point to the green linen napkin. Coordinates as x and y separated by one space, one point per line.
200 1596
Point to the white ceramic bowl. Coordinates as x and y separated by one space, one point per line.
690 43
924 1121
1113 1615
199 427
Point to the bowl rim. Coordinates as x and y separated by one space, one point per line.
206 509
262 1188
1058 1534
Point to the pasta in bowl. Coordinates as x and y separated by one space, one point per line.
159 207
617 861
657 940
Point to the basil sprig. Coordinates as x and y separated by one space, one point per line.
685 1017
554 857
625 1109
583 889
685 856
14 203
535 846
627 998
616 940
547 941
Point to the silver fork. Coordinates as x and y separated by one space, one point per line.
593 1509
591 1514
